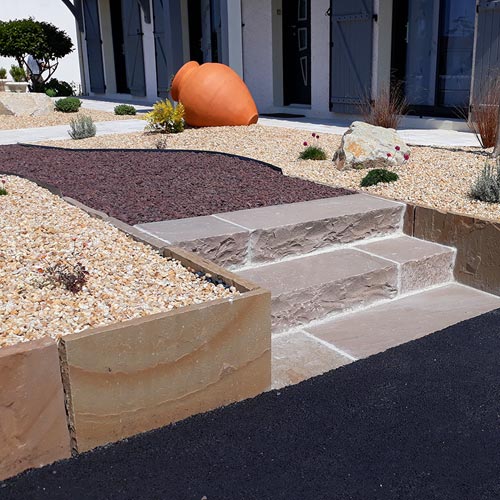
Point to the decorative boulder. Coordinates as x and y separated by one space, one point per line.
368 146
25 104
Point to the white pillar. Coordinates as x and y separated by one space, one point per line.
234 36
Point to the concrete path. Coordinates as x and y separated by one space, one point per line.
58 132
421 137
417 136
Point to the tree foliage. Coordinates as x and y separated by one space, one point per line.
45 42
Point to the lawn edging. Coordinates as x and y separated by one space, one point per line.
477 242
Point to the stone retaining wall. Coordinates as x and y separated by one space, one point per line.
104 384
477 242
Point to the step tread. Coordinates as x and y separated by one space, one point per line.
314 270
403 249
302 212
366 332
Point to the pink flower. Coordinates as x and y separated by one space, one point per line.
313 134
389 155
3 181
305 143
317 136
407 156
397 148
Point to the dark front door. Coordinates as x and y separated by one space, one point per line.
296 52
118 47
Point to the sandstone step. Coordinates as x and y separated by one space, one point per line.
311 287
366 332
267 234
305 353
422 264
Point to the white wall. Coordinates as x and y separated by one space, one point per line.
257 51
55 12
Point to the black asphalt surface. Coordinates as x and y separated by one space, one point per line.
421 421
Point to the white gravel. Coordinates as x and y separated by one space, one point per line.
436 177
126 279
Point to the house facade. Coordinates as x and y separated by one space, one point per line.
318 58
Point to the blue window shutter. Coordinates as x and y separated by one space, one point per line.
94 46
168 42
351 54
134 54
487 48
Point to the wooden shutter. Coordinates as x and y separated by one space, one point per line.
94 46
134 54
168 42
487 48
351 54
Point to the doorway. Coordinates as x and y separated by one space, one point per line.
296 52
204 30
118 47
432 54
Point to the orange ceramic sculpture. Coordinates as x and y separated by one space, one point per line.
213 95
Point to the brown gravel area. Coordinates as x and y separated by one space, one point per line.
437 177
126 279
57 118
146 186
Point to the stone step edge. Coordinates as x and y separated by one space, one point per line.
253 234
357 309
341 246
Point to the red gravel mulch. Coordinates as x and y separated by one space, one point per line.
146 186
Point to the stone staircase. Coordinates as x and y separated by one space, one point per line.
345 281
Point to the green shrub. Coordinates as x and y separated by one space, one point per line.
51 93
373 177
68 104
17 73
61 88
82 127
3 73
3 189
313 153
487 185
166 117
125 109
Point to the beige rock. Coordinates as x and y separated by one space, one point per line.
367 146
33 428
25 104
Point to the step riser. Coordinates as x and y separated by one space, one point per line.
425 273
271 245
300 307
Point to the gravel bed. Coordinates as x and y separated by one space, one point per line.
126 279
138 186
57 118
437 177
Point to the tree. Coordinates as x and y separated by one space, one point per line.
20 38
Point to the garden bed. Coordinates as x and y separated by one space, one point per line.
434 176
57 118
138 186
153 337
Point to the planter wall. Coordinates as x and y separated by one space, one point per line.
33 426
477 242
134 376
145 373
